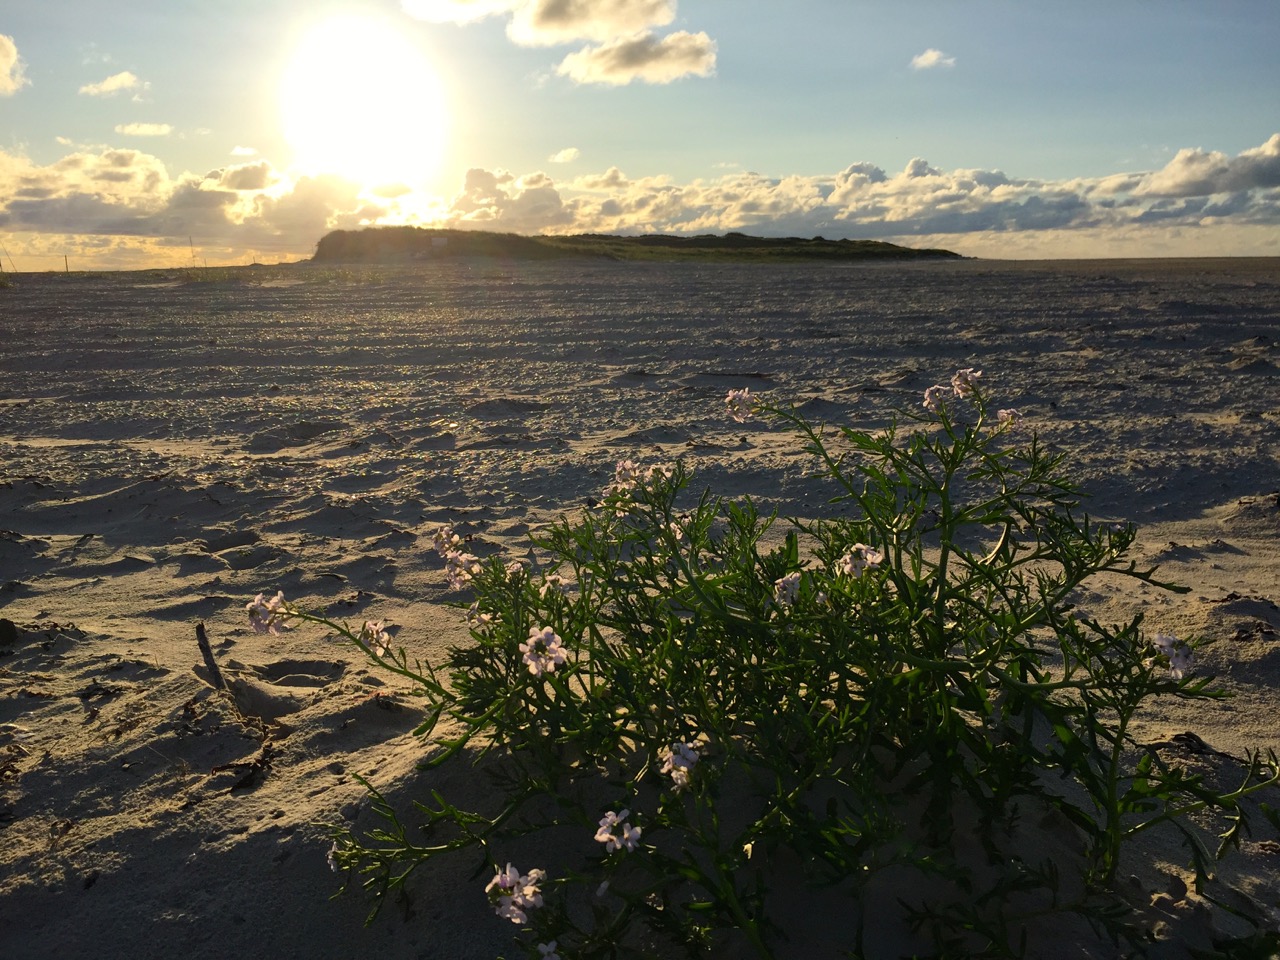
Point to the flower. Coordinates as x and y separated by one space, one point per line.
268 616
933 397
1177 652
332 858
480 621
741 405
543 652
374 636
859 558
1011 419
513 894
616 833
678 762
460 568
553 581
787 589
444 541
965 381
548 951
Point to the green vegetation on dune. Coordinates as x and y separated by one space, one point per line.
418 243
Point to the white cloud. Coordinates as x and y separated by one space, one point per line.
1196 173
115 83
243 152
644 57
12 73
144 129
626 47
550 22
567 155
1201 201
931 59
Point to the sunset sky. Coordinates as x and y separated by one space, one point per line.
160 132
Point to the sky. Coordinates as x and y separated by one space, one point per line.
173 132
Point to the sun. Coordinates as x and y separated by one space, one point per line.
359 99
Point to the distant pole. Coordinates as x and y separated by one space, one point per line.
66 263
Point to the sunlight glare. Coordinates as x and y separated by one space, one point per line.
358 99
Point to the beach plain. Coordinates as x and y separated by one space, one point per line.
176 442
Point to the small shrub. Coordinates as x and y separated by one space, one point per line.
897 691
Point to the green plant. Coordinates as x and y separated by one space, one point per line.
896 691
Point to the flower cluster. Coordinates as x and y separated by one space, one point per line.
374 636
741 405
858 560
678 762
514 894
616 833
628 475
268 616
543 652
1009 418
1177 652
964 383
554 583
786 589
460 567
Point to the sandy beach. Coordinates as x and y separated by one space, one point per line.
173 448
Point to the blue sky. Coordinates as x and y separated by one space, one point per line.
130 133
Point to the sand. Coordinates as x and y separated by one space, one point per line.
170 449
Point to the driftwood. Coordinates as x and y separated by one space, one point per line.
206 651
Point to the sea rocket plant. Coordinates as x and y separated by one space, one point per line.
543 651
960 674
616 833
678 761
268 616
514 894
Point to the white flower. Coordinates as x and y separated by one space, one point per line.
268 616
616 833
513 895
543 652
444 541
678 762
332 858
741 405
625 475
515 571
859 559
548 951
787 589
1011 419
965 381
933 397
553 581
662 471
460 568
374 636
1177 652
480 621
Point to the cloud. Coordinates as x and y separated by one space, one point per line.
144 129
1200 202
625 45
567 155
551 22
644 57
932 59
114 84
12 69
243 152
1196 173
245 176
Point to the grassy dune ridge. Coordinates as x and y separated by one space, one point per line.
393 243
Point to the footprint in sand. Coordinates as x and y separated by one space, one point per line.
277 689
